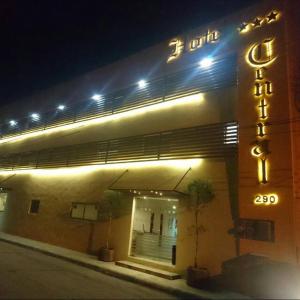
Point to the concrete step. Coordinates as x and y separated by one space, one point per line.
148 270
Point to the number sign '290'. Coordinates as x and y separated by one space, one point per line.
269 199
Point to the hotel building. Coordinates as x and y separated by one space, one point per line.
218 103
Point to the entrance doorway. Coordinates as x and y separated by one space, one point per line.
154 229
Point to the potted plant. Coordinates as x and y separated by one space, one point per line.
110 207
200 195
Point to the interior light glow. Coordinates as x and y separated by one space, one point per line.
117 116
206 62
61 107
35 117
176 164
142 83
13 123
97 97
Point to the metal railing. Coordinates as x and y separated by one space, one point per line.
206 141
189 81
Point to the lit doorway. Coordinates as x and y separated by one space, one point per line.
154 229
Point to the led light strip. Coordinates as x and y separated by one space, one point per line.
177 164
131 113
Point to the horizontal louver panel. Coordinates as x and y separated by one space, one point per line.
208 141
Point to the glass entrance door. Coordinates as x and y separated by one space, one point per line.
154 229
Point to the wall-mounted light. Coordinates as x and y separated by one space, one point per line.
13 123
61 107
35 117
142 83
97 97
206 62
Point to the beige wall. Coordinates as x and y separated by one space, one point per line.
56 192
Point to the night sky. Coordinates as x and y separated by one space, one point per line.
46 42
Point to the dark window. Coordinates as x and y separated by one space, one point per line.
34 206
259 230
84 211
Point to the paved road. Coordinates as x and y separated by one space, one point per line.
27 274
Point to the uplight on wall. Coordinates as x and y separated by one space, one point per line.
206 62
97 97
13 123
142 83
61 107
35 117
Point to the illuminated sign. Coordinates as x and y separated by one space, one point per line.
258 22
178 45
260 56
269 199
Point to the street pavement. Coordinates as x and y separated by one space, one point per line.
27 274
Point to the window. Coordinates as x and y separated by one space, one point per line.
84 211
34 206
3 197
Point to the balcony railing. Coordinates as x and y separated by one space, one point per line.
208 141
222 73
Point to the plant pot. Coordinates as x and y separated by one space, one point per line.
106 254
197 277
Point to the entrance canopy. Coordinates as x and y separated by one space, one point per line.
160 182
152 193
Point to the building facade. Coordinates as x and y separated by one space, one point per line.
218 103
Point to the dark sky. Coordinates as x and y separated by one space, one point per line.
46 42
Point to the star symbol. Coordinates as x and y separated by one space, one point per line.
243 27
272 16
257 22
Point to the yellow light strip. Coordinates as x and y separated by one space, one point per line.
177 164
131 113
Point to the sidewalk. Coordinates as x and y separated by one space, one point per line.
177 287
